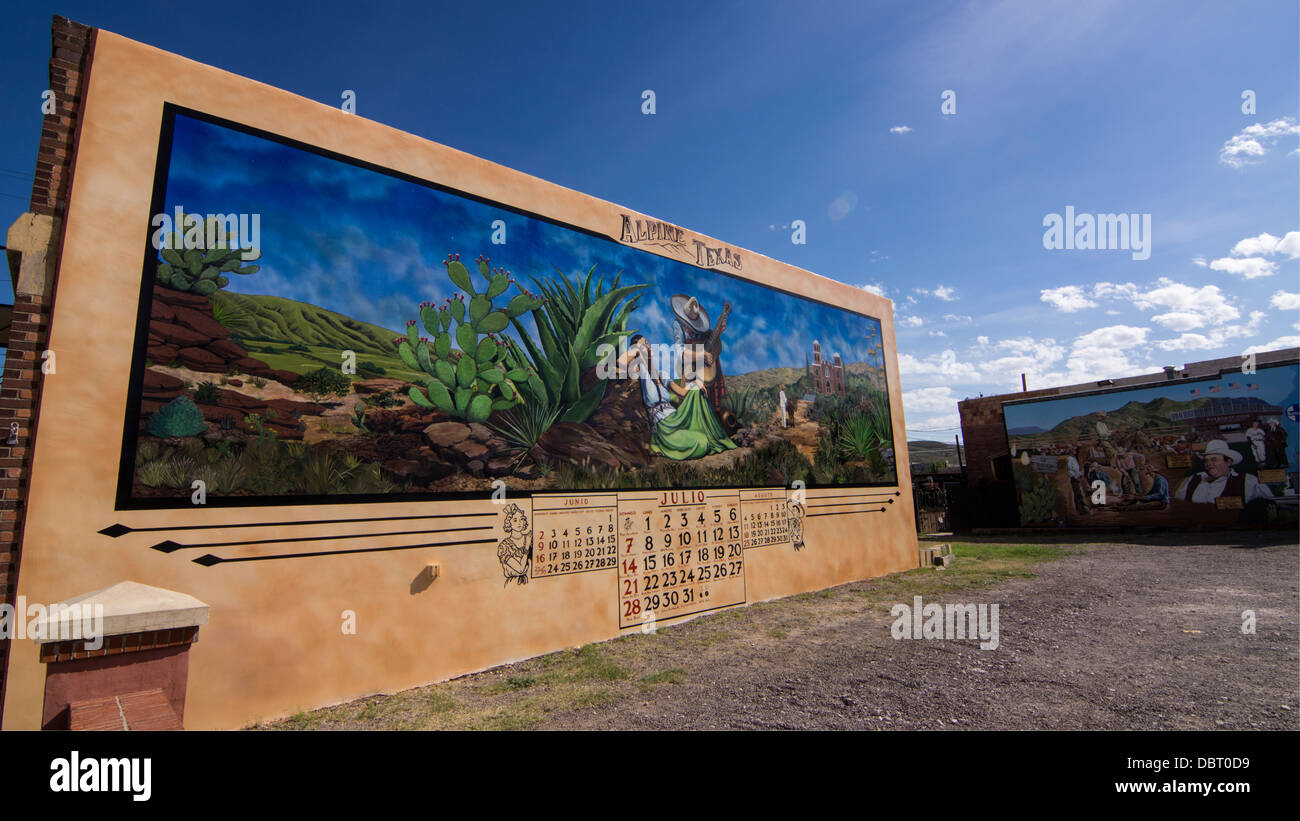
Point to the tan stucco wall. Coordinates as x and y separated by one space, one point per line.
273 643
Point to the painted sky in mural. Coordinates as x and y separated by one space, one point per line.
370 245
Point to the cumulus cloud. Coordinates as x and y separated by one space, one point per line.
900 129
1185 305
1250 268
1103 353
982 340
1067 298
1285 301
913 321
1280 342
875 288
945 293
929 400
1266 245
942 364
1213 338
1253 143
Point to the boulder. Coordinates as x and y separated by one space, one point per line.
178 335
171 297
227 350
161 311
155 381
201 360
199 322
283 377
250 365
162 354
447 434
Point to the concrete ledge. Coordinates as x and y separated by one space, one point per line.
130 607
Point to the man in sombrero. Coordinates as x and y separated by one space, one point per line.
694 328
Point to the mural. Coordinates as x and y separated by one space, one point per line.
1219 451
315 328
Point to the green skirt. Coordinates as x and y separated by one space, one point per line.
692 431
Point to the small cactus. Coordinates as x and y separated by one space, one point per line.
202 270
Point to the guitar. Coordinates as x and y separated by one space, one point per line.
706 367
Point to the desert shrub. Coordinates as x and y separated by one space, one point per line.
324 382
298 346
207 393
371 367
179 417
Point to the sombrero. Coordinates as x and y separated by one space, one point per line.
691 314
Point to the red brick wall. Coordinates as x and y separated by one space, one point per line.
71 46
984 432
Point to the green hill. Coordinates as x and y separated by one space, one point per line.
273 318
1131 416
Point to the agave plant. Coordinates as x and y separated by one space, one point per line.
572 325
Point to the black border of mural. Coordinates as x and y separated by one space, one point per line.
1157 381
131 416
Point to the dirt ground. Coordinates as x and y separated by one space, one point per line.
1141 633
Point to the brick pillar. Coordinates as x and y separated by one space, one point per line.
33 243
131 663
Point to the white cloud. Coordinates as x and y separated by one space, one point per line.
982 340
1101 354
1198 261
875 288
1254 141
944 364
1179 320
929 400
1285 301
1067 298
1250 268
1206 302
1113 290
900 129
1280 342
959 319
913 321
945 293
1214 338
937 333
1266 245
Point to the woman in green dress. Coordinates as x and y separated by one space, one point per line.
693 430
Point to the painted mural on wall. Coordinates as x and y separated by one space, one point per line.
1219 451
355 335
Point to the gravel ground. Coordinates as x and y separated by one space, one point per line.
1141 633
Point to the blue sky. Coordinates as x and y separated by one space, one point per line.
769 113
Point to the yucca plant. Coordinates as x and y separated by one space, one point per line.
572 325
522 427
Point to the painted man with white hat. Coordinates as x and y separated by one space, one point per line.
1219 479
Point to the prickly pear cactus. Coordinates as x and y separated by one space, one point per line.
1038 504
473 371
202 270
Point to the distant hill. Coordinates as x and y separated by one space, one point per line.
925 451
858 372
287 320
1131 416
1025 430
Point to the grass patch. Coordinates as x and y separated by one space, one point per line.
675 675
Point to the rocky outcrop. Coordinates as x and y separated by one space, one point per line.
182 329
231 409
